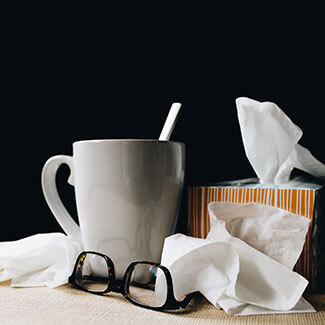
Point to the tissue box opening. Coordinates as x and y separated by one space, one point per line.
303 196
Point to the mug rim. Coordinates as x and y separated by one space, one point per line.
124 140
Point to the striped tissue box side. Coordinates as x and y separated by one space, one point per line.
299 201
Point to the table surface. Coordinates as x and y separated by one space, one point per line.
66 305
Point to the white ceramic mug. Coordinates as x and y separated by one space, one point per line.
127 192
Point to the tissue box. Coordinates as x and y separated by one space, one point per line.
304 196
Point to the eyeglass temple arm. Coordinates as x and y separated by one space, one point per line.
187 299
96 278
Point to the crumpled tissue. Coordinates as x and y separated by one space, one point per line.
245 264
38 260
271 142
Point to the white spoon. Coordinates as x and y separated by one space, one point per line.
170 122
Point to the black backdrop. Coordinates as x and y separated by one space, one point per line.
73 77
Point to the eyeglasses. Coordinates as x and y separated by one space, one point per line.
145 284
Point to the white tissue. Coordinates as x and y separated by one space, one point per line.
274 232
271 142
234 275
38 260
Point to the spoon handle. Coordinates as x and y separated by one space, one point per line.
170 122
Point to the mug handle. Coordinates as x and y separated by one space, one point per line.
52 197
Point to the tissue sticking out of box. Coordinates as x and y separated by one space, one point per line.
271 142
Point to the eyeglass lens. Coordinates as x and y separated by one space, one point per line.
93 272
148 285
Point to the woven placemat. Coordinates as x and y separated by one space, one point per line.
66 305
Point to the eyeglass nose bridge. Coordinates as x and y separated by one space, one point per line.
118 286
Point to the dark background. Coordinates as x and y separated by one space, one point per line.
75 75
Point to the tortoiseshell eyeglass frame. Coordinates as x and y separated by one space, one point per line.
122 286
